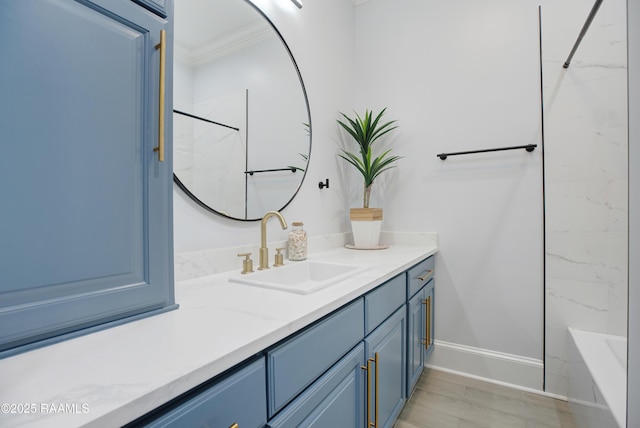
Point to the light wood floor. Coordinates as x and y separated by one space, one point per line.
444 400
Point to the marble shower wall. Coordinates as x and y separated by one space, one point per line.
586 177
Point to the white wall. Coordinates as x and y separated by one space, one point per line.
633 397
462 75
585 177
325 59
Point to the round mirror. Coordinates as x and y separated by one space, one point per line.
242 127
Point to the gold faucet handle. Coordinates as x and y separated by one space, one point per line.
247 263
279 257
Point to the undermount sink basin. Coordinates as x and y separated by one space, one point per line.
299 277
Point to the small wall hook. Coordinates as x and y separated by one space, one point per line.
324 184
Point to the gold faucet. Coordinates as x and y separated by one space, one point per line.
264 251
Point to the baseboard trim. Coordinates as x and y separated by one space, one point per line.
500 368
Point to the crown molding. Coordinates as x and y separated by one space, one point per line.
238 40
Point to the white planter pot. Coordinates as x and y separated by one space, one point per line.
366 233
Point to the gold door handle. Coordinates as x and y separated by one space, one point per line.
427 275
368 370
429 338
375 421
427 323
374 360
163 67
235 426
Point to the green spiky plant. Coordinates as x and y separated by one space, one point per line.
365 131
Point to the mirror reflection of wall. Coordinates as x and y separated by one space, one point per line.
243 146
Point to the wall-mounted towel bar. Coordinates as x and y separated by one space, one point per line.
585 27
528 147
291 168
206 120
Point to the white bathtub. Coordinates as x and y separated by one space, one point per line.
598 379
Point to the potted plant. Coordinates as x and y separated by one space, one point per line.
366 221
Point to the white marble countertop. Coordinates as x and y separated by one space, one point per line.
113 376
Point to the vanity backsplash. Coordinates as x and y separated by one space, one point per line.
196 264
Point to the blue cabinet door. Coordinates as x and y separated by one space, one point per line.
86 212
416 336
420 332
334 400
387 347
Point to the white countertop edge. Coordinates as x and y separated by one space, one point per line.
120 386
608 375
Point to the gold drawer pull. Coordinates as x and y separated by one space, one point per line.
235 426
427 275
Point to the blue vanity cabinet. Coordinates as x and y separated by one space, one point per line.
86 226
348 369
337 399
238 398
420 288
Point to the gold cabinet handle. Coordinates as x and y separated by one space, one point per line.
368 370
374 360
163 67
375 421
429 338
427 323
235 426
427 275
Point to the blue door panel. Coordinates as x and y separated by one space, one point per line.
76 211
416 334
79 121
389 341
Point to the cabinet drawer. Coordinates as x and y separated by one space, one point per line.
419 275
334 400
295 364
239 398
383 301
